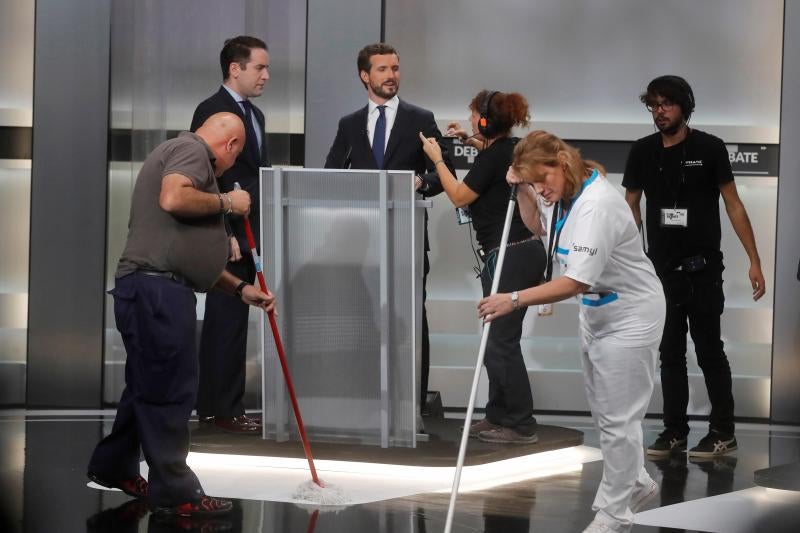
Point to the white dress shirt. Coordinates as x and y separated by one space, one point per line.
372 118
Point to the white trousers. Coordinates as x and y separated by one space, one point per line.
619 382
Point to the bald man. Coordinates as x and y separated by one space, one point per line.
176 245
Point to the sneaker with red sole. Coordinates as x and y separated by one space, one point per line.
205 506
135 486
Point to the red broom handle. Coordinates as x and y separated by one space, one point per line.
282 355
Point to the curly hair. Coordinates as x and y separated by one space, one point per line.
506 110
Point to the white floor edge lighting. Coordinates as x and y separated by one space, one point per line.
276 478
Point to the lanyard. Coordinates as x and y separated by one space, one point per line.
558 224
551 242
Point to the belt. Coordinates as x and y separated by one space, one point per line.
177 278
485 255
692 264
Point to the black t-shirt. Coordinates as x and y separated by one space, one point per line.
685 176
487 178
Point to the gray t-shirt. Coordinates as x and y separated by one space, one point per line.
195 248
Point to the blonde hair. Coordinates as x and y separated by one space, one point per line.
543 148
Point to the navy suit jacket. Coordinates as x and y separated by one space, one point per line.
351 147
245 169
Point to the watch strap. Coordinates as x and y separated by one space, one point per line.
240 287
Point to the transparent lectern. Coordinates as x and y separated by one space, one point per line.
343 252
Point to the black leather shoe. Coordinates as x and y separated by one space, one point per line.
241 424
205 419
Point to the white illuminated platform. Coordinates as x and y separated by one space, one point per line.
249 467
275 479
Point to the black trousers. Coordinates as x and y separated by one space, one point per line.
695 299
156 317
223 348
510 400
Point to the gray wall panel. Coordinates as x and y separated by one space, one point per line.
16 35
583 63
786 333
336 32
68 203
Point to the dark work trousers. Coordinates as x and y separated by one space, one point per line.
696 298
156 318
510 400
426 343
223 347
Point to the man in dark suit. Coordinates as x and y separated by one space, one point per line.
384 134
223 344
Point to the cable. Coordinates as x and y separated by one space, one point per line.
477 268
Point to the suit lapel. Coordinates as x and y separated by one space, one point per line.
362 137
397 132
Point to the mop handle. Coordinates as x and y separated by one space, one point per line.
462 449
251 241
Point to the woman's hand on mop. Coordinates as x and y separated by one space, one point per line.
513 178
495 306
251 295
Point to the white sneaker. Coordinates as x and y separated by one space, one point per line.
601 525
642 495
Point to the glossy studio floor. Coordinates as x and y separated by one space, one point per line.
43 488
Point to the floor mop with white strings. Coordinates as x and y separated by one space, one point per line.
314 491
462 449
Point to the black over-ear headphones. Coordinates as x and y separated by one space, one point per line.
485 126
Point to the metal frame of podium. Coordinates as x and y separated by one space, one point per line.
343 252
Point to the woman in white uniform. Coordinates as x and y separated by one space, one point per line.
599 252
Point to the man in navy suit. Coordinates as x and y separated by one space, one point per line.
244 62
395 125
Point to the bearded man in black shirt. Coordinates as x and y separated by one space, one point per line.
682 172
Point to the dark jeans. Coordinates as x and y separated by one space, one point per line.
696 298
156 317
223 348
510 400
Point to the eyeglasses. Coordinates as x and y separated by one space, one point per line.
666 105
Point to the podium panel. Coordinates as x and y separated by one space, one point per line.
343 253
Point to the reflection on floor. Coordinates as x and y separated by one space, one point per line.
43 488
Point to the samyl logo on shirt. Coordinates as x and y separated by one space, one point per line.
693 163
584 250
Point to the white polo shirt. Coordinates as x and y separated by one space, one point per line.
599 245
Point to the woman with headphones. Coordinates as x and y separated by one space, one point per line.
509 411
622 310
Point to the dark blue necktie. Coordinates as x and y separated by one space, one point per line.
250 127
379 138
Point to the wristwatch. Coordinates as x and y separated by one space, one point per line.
240 287
515 300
